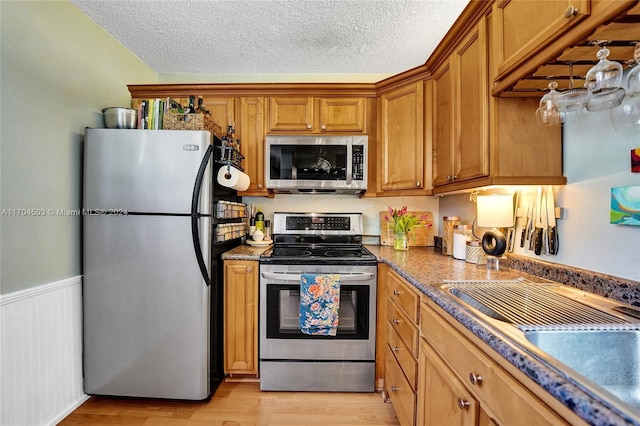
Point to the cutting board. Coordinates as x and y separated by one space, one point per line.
423 236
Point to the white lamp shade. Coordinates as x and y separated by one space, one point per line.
495 211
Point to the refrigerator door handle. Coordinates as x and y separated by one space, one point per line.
195 200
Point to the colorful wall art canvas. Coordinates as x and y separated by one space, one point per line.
635 160
625 205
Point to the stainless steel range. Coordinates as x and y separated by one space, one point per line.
317 243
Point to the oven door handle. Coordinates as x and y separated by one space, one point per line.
296 277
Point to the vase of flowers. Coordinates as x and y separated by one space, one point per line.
402 224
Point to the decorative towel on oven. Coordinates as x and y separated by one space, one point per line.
319 303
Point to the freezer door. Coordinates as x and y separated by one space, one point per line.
144 171
146 308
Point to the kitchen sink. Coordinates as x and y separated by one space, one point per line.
593 336
609 358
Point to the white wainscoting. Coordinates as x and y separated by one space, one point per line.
41 353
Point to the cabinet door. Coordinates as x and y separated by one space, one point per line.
442 124
241 317
523 27
222 111
442 398
251 133
470 65
342 114
291 114
402 138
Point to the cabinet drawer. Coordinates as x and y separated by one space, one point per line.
402 396
407 331
404 296
507 398
403 356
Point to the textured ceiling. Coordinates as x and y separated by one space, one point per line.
277 36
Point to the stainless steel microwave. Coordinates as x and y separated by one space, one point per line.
316 164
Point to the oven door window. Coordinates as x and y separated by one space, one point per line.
283 307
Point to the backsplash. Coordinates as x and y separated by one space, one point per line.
620 289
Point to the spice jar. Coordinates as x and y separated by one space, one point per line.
448 222
461 234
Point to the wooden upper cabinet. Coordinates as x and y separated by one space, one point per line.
222 110
440 93
251 132
401 139
291 114
317 115
524 27
342 114
459 107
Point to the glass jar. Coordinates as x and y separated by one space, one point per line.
448 222
461 234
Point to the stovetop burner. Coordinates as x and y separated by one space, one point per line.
318 238
290 254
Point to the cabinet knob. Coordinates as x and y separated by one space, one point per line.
570 12
395 349
394 389
448 178
249 268
396 293
324 127
259 186
395 321
454 177
463 404
418 184
476 379
308 126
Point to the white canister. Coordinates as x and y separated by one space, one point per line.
461 234
475 253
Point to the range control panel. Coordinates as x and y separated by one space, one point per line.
325 223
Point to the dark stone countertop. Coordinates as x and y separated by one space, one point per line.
426 269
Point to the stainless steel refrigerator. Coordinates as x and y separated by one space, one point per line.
152 277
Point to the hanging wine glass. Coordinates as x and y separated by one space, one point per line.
572 99
633 78
547 113
628 113
603 81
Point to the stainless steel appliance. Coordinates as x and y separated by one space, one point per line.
152 274
317 243
317 164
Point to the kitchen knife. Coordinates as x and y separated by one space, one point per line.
525 226
552 232
511 232
537 235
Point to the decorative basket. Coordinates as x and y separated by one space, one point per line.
197 121
173 121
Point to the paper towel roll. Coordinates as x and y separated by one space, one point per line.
233 178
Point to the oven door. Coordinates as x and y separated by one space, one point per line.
280 335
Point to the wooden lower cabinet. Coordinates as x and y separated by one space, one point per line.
460 384
241 318
401 349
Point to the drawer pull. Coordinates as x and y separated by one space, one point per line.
463 404
570 12
476 379
395 321
396 293
395 349
394 389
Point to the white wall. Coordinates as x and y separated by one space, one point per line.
59 69
369 207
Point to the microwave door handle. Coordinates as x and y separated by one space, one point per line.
296 277
349 162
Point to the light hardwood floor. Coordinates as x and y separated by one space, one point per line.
240 404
